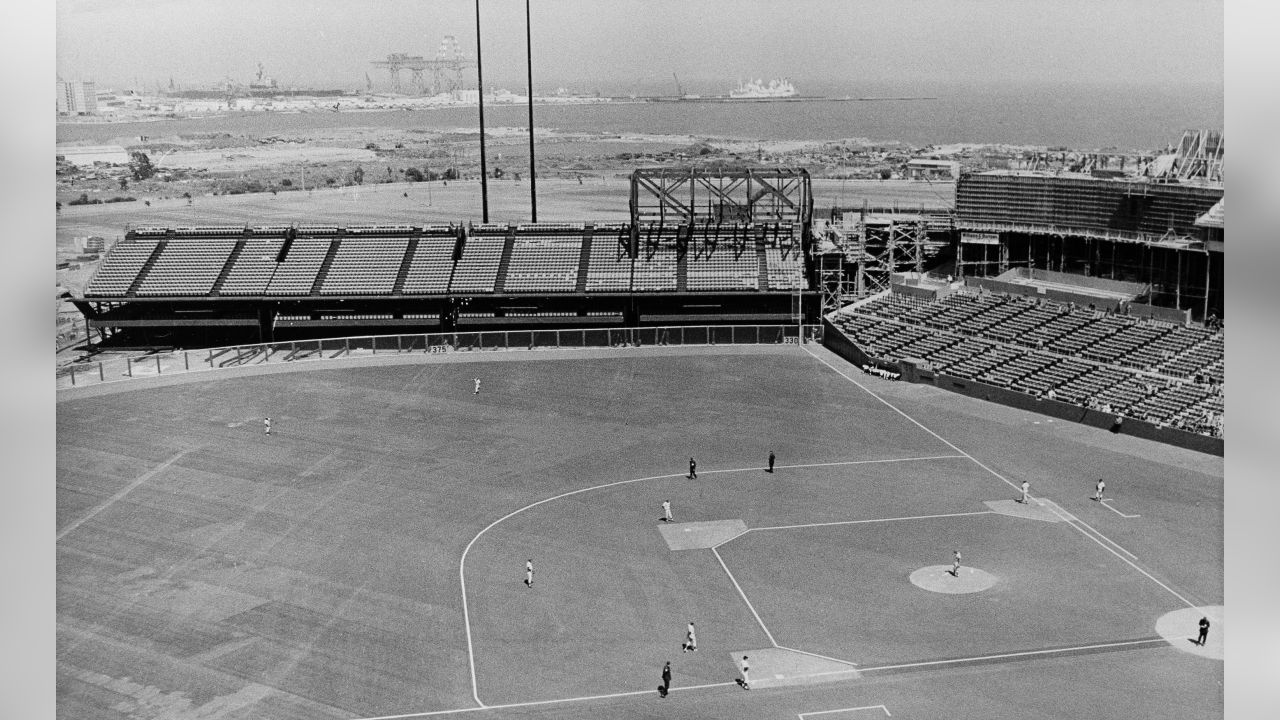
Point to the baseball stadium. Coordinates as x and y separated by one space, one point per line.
409 470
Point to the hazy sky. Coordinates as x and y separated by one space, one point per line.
617 44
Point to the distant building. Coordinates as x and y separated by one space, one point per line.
87 155
77 98
921 169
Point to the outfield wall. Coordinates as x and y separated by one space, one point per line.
127 367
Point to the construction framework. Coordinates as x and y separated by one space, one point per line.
447 69
1158 230
864 248
696 195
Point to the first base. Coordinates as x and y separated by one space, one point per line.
700 535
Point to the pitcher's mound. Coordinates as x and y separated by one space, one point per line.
1181 627
938 578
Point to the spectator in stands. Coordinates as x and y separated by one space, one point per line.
1051 394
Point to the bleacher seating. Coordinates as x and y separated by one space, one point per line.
253 268
655 268
608 265
364 266
298 272
477 269
187 266
1049 349
120 266
544 262
431 266
723 268
786 269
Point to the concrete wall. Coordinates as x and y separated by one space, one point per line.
1097 283
1172 315
1071 412
834 339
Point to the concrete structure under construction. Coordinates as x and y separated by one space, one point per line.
1129 229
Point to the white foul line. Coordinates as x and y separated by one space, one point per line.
873 520
462 564
545 702
1082 526
813 654
863 462
802 716
1104 504
1001 656
1077 524
127 489
744 598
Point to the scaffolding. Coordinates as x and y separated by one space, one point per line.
696 195
448 69
870 248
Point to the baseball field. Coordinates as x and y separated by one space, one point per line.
367 558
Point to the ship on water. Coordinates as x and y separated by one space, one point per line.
750 91
758 90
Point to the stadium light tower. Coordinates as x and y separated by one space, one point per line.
484 174
533 172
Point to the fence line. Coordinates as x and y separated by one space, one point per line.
127 367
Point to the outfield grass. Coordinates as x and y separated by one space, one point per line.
319 573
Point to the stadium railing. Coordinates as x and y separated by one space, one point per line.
129 367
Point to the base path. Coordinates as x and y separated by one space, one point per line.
1032 510
938 578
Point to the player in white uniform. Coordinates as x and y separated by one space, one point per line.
691 639
955 565
266 425
1026 486
1097 493
528 573
477 391
666 510
746 680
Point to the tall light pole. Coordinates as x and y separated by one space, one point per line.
484 170
533 171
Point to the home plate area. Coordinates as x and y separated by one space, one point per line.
775 667
700 535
